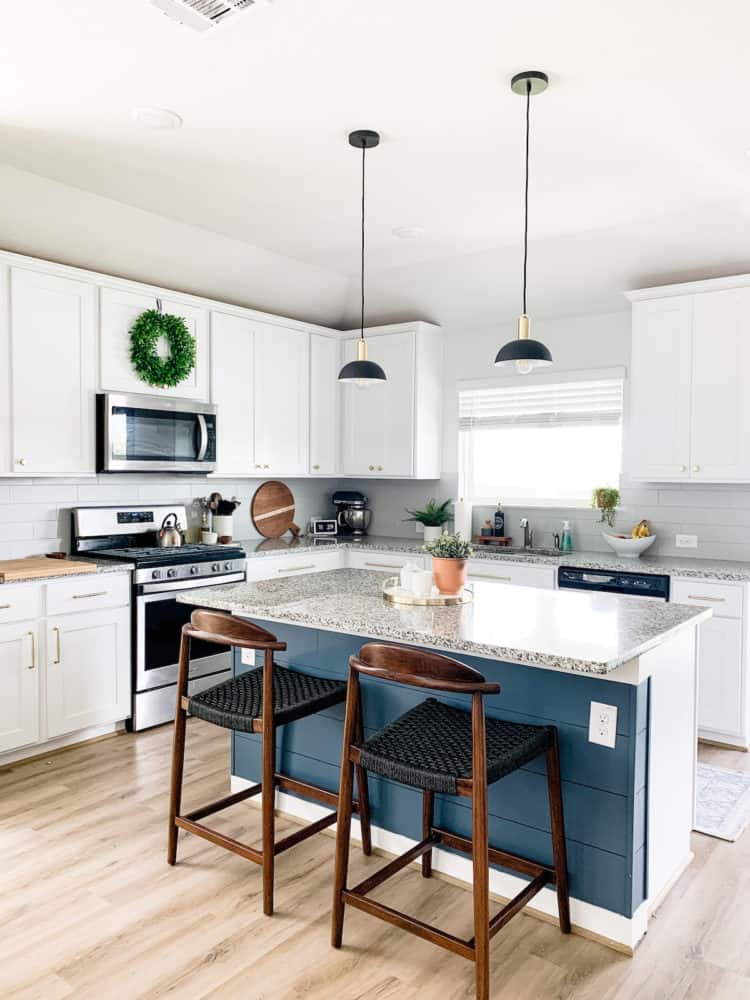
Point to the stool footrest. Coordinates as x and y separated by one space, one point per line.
220 839
518 902
229 800
394 866
303 833
503 858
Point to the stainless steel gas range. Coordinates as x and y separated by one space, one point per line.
129 534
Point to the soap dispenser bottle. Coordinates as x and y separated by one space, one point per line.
566 541
499 521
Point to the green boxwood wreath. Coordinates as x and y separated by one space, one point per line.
163 372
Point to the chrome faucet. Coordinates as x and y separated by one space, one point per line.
528 534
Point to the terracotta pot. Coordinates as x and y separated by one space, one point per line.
450 574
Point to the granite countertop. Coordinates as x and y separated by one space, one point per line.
564 630
102 566
669 565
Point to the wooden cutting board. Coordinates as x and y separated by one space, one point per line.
272 510
37 567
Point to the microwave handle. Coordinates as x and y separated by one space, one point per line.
204 437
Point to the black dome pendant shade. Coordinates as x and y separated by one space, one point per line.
525 354
363 372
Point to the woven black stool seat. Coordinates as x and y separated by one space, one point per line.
235 703
430 747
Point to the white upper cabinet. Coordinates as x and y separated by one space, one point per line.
324 405
659 411
119 310
53 373
232 390
393 429
720 420
689 413
282 393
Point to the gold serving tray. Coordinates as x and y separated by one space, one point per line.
394 595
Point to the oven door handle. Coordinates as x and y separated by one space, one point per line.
204 437
197 584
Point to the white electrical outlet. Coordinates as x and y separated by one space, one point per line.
247 657
603 724
686 541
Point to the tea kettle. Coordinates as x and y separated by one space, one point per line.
170 534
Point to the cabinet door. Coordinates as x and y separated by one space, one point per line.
282 393
660 372
119 310
88 670
720 676
324 405
19 686
378 421
232 392
53 349
720 427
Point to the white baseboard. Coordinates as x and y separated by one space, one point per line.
618 932
61 742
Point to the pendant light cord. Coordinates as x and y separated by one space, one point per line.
525 196
362 317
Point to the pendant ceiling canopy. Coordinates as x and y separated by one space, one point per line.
363 372
524 354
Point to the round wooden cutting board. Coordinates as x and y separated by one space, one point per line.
272 510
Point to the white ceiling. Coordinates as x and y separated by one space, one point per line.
644 123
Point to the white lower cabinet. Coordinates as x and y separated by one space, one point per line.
294 564
513 574
19 685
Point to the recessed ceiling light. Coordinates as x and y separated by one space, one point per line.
159 118
408 232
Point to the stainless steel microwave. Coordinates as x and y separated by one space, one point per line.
137 433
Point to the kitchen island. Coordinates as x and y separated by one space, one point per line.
628 807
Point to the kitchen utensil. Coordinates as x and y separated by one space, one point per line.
628 548
170 533
272 510
393 593
37 567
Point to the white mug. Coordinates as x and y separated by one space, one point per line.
407 574
208 537
421 583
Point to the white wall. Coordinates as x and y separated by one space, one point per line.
57 222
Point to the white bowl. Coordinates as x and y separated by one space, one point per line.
628 548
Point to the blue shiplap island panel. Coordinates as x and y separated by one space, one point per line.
604 790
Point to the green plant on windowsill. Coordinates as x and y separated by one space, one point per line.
449 547
434 515
606 500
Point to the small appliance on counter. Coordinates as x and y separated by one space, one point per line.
353 516
323 527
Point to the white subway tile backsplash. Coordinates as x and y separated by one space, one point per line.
15 531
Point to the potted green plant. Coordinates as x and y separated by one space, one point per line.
433 517
449 554
606 500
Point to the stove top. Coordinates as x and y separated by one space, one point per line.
146 555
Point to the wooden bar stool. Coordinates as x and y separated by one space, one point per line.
257 701
440 748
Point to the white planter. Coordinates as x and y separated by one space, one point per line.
432 534
223 525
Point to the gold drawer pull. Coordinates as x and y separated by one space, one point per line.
4 607
385 565
489 576
294 569
703 597
33 650
96 593
59 655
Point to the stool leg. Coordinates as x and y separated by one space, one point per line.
362 788
268 783
557 825
428 814
178 753
480 851
344 819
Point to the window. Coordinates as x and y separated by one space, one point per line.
546 442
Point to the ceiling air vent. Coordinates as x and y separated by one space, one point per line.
201 14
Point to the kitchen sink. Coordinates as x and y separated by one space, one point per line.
531 551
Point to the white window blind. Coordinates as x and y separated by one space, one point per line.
566 404
547 443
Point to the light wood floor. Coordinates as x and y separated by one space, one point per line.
89 907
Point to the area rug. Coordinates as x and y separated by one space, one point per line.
722 806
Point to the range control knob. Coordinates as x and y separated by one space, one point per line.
171 572
193 570
155 574
215 567
227 565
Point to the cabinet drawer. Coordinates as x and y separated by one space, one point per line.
384 562
542 577
273 567
19 601
725 599
88 593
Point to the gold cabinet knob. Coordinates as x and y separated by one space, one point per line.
683 468
316 467
266 466
696 468
257 465
372 468
380 468
20 461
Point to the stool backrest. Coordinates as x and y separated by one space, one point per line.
226 630
419 668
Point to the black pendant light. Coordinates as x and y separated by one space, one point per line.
524 354
363 372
